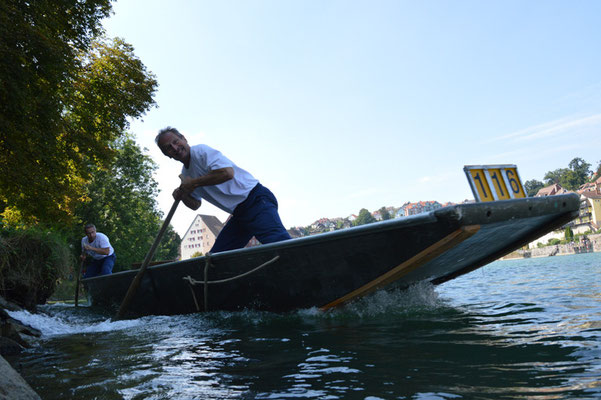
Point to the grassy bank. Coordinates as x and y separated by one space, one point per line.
32 263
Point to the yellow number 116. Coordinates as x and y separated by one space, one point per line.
494 182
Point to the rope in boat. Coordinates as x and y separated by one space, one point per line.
192 282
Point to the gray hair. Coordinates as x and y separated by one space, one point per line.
165 131
88 226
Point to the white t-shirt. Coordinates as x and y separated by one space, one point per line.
226 195
100 242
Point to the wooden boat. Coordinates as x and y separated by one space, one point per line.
333 268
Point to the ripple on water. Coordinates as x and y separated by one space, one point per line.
516 329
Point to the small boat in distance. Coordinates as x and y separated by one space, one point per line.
331 269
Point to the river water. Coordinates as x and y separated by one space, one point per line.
517 329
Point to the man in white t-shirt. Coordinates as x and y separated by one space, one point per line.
97 246
207 174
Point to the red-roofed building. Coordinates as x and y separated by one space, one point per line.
551 190
594 187
420 207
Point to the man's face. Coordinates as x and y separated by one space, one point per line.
91 234
174 146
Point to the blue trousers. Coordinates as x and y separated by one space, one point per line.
104 266
256 216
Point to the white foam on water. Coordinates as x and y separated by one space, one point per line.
55 325
418 298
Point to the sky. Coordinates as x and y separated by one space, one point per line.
342 105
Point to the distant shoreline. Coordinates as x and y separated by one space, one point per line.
557 250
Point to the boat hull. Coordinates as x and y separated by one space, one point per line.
331 269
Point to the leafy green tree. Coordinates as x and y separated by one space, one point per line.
64 98
385 214
304 230
571 178
533 186
580 172
556 176
120 201
112 86
569 234
170 245
39 45
364 217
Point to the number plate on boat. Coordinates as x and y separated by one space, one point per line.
494 182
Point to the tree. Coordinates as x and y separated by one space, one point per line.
169 247
580 172
364 217
39 45
121 202
532 187
64 99
385 214
569 234
556 176
571 178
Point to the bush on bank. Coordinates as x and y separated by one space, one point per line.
569 238
32 263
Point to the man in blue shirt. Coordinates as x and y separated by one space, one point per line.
97 246
207 174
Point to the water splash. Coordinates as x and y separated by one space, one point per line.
63 323
417 299
64 319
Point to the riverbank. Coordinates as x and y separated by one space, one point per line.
32 263
558 249
14 338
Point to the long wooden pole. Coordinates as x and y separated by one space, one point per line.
136 282
77 282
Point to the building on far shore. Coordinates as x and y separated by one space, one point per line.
589 217
551 190
200 236
590 207
408 209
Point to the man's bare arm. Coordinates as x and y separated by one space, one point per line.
212 178
188 200
184 192
104 251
